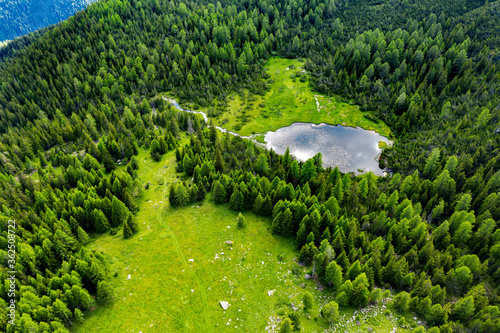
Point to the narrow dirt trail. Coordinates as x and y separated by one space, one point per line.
184 261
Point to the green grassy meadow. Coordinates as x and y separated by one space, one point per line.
169 292
290 100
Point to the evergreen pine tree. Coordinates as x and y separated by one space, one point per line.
360 295
188 165
172 197
132 226
286 326
330 311
241 221
163 147
294 173
219 161
267 206
333 206
334 275
119 212
277 223
105 292
287 228
301 235
308 171
79 316
326 235
354 270
127 233
308 301
259 202
219 193
310 238
43 160
201 191
181 194
108 161
237 201
101 223
261 165
82 236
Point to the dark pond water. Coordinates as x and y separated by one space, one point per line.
348 148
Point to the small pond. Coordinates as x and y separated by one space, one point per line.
346 147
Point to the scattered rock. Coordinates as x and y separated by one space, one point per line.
358 323
308 276
270 292
230 243
191 260
224 304
128 277
370 329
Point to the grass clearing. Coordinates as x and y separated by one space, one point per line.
169 292
289 100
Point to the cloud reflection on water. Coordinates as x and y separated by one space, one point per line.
348 148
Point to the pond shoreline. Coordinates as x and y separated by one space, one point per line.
341 156
351 149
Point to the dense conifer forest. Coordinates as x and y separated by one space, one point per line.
78 100
18 18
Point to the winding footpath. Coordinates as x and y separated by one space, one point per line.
184 261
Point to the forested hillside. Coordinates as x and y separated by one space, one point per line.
19 18
77 100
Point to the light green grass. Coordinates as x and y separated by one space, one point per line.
169 293
288 101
